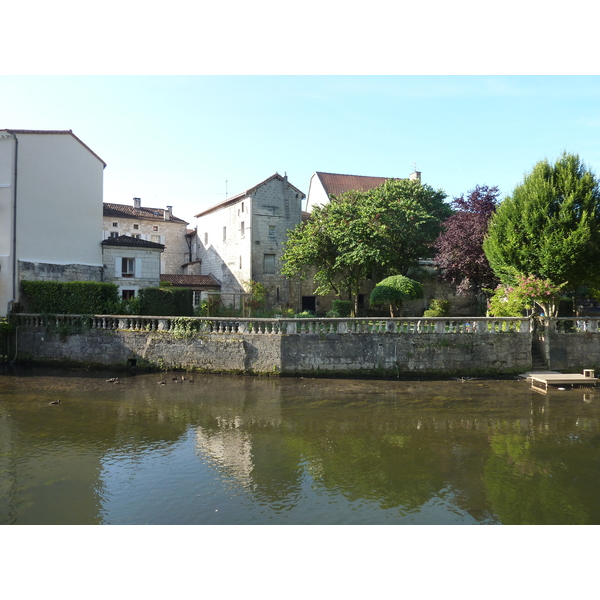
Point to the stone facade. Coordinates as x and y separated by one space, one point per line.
242 239
34 271
157 225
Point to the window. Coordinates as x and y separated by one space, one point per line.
114 234
269 264
127 267
136 236
127 294
272 231
242 229
242 207
136 226
196 298
155 238
154 227
224 234
115 224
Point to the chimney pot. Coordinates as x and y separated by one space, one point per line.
137 203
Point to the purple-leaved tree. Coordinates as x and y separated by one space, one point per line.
459 248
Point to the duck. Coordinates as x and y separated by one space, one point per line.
112 380
55 401
163 382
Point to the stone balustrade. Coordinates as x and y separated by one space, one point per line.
398 325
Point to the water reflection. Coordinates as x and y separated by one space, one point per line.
249 450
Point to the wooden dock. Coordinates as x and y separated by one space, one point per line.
541 380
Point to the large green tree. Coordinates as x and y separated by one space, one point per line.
550 226
386 229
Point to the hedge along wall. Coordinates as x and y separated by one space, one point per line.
73 297
176 302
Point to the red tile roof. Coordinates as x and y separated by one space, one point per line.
53 132
249 191
191 280
336 184
125 211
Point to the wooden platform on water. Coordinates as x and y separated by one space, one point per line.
540 380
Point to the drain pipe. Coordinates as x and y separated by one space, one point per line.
14 240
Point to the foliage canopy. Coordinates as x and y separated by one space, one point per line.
459 248
549 227
386 229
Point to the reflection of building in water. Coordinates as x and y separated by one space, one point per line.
230 444
230 448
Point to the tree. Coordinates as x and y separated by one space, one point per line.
394 291
549 227
511 301
385 229
459 247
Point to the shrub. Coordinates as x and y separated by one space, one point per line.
437 308
394 291
342 307
169 301
72 297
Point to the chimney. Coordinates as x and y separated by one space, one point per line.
168 213
415 176
137 203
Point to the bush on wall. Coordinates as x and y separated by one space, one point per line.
72 297
174 302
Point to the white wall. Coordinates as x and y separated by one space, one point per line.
59 201
222 258
316 193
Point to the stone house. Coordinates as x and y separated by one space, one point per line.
51 187
200 285
157 225
131 263
241 239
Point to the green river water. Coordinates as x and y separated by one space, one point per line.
248 450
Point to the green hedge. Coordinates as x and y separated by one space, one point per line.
73 297
174 302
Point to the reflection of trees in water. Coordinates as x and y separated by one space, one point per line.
554 482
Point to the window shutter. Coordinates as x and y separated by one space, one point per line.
117 266
162 240
137 265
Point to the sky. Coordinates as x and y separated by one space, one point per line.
191 141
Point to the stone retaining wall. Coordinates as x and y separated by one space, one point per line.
386 348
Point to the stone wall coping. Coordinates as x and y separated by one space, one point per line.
292 326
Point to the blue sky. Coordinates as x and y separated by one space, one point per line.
186 140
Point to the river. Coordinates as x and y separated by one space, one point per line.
210 449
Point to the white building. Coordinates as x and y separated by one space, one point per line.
131 263
324 185
51 187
